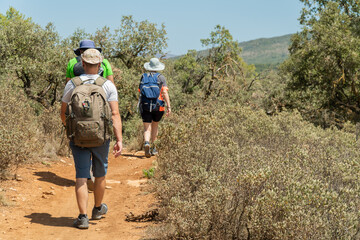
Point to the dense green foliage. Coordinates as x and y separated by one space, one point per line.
324 62
224 61
32 55
134 40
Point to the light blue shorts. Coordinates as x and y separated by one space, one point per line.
84 158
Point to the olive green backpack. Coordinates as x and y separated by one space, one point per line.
88 114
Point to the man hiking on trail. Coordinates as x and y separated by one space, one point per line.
89 109
153 91
75 68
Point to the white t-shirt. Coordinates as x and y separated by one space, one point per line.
108 86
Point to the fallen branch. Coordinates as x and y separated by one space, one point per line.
146 217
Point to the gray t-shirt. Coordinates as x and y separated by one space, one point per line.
108 86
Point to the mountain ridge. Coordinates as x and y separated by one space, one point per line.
262 52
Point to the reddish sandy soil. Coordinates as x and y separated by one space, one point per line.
42 203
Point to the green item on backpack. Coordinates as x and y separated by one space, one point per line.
88 114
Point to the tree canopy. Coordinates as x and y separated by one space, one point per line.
324 61
137 39
33 54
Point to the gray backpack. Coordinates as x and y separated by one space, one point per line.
88 114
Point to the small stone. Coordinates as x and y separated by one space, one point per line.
63 161
52 192
18 177
108 187
52 187
112 181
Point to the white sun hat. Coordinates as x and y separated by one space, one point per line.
154 65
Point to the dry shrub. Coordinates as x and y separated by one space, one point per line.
229 172
18 128
53 133
28 132
133 134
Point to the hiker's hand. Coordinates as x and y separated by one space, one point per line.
168 111
117 148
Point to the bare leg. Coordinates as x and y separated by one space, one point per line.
82 194
154 130
99 190
147 131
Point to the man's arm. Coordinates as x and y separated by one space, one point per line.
167 100
108 71
111 78
62 112
116 119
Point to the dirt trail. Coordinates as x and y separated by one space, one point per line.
43 204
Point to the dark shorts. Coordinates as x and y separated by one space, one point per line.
149 117
84 158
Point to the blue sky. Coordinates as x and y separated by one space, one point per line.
186 21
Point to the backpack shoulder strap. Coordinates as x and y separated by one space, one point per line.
76 81
100 81
143 76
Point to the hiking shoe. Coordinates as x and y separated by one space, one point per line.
82 223
97 214
90 185
147 150
154 151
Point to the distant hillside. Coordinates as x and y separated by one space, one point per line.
266 50
263 52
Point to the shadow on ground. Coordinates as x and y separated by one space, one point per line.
131 155
48 220
55 179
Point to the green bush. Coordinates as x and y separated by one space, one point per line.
149 173
229 172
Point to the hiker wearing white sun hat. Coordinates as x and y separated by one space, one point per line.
154 65
153 96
